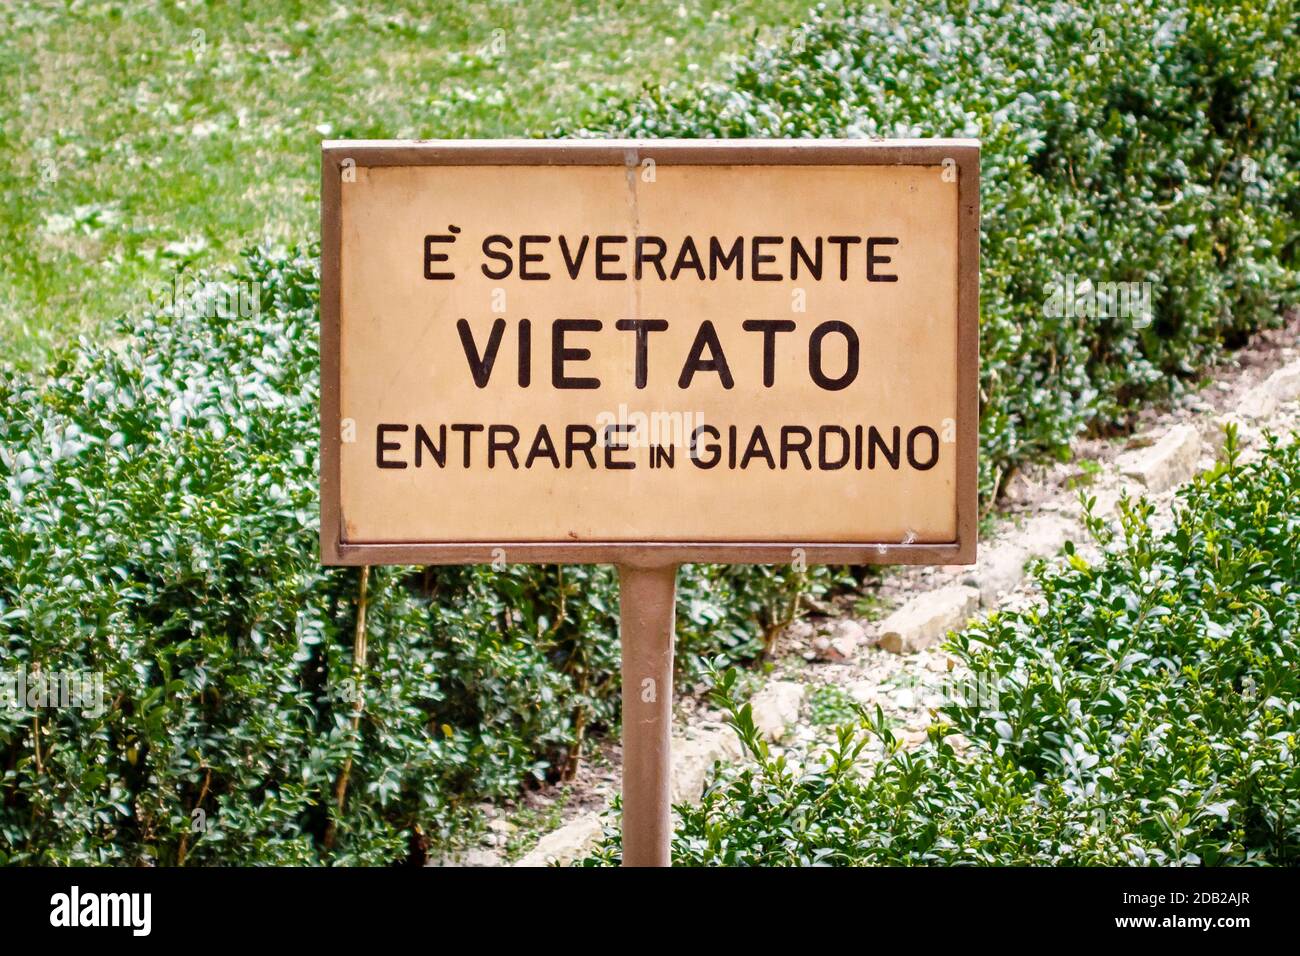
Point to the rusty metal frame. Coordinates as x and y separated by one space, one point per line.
961 154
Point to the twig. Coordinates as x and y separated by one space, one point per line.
36 725
185 837
358 705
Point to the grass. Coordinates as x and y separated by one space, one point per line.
145 137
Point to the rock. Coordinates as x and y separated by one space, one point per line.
911 739
1284 384
798 630
1167 463
904 699
476 857
927 618
776 706
1002 567
693 758
1257 403
939 663
566 844
838 640
863 691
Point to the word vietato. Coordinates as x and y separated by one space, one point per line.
571 341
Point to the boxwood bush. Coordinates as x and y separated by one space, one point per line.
159 530
1146 712
1143 141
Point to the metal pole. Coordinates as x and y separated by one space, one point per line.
647 609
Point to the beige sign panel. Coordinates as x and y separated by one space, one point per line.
657 351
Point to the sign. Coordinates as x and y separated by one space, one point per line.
678 351
648 353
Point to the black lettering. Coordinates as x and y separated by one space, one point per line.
525 257
560 355
525 353
891 452
873 259
798 252
757 258
824 463
542 447
642 328
610 447
382 446
735 256
685 253
437 452
468 431
758 447
603 257
430 257
706 337
815 356
656 259
844 242
788 445
500 256
571 444
570 264
769 328
911 447
481 366
712 447
508 447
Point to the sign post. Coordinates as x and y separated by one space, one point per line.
647 611
649 353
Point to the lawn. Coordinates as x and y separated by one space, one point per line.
143 137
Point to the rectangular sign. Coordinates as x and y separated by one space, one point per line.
649 351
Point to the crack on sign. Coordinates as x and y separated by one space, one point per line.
631 171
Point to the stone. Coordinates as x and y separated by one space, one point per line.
838 640
863 691
911 739
927 618
904 699
1169 462
694 757
798 630
776 706
1284 384
1257 403
476 857
1001 567
561 847
939 663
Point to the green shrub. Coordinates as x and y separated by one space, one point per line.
1147 711
160 530
1148 141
